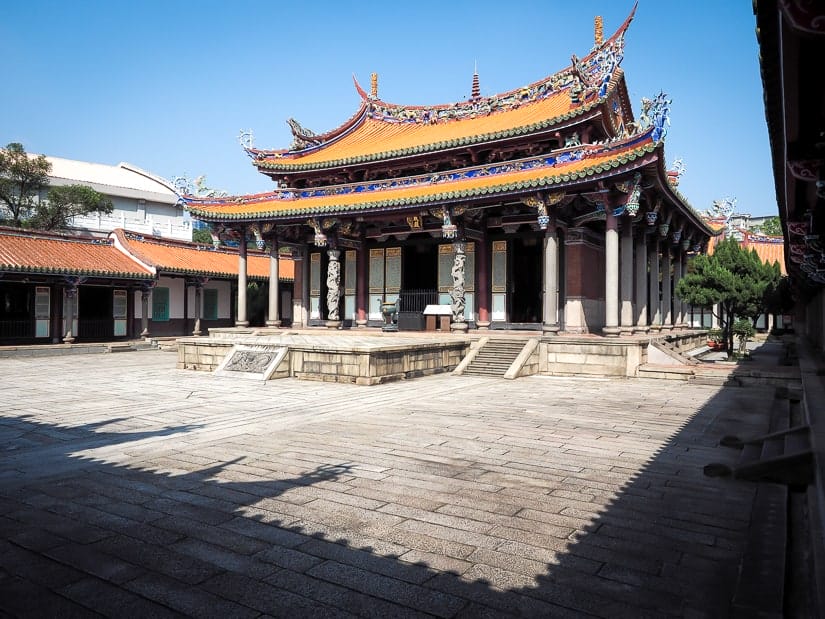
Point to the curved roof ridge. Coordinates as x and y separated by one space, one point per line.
593 75
608 44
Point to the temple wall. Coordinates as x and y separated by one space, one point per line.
584 282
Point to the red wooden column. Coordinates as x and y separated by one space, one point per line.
361 297
483 283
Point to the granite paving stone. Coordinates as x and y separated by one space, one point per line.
131 488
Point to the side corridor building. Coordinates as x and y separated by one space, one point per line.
66 288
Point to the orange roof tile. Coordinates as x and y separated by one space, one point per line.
769 251
381 130
35 252
194 259
375 137
272 205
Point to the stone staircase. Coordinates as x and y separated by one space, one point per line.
781 464
495 357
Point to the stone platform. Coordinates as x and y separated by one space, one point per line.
369 357
362 359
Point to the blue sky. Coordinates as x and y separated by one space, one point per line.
168 86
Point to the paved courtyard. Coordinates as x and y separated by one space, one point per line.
130 488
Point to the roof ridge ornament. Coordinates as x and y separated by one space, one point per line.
598 34
374 86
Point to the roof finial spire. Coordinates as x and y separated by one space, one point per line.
374 85
599 34
476 92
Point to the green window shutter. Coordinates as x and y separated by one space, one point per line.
210 304
160 304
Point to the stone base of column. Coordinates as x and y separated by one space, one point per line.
242 323
145 334
626 330
611 331
273 323
667 327
655 328
333 324
197 330
550 330
68 338
483 325
459 327
641 329
361 324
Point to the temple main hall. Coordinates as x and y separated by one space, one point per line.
548 208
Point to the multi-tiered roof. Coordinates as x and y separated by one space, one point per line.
572 127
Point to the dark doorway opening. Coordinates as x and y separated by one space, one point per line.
525 300
94 311
419 267
16 311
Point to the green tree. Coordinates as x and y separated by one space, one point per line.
733 279
21 179
202 235
771 226
63 203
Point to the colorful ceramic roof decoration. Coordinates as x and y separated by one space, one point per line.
24 251
380 130
181 258
572 132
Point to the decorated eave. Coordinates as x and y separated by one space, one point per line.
791 35
171 257
578 166
54 254
380 131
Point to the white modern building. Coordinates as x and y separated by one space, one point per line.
143 203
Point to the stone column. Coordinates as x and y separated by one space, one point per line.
69 312
333 288
198 308
483 284
678 317
550 320
144 313
641 282
241 320
655 299
667 297
626 312
685 307
611 271
274 314
459 322
361 285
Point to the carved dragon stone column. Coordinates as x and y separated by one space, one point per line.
333 288
459 322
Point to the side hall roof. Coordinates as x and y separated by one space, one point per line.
182 258
380 130
26 251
